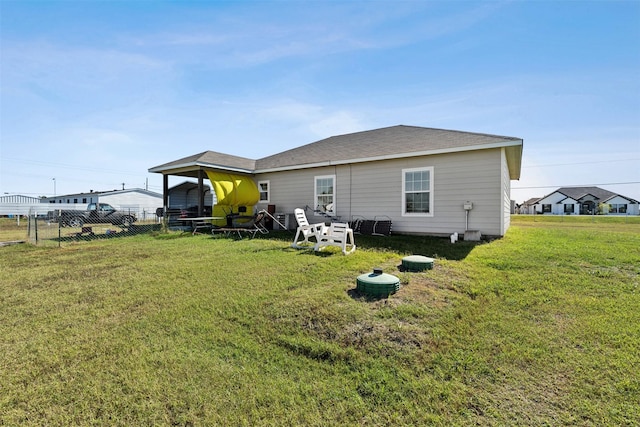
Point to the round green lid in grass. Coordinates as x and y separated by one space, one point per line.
417 263
377 283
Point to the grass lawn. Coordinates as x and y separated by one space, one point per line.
541 327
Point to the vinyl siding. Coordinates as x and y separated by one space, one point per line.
374 189
295 189
505 187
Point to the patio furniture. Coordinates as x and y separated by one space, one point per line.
338 234
378 226
306 230
249 225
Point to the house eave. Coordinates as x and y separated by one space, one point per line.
193 166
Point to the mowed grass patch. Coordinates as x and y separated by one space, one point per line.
558 319
13 229
540 327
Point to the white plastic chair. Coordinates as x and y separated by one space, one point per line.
306 230
338 234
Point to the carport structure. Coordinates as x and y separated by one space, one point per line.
207 164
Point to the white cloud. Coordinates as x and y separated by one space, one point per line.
318 121
336 123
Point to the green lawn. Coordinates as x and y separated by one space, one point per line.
541 327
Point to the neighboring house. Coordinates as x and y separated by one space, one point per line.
528 207
420 178
141 202
585 201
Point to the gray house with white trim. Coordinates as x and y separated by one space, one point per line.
420 178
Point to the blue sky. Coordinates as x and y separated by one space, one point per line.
94 93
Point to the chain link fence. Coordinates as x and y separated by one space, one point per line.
43 231
46 226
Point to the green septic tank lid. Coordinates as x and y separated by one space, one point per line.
377 283
417 263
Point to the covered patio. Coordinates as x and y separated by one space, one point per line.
230 176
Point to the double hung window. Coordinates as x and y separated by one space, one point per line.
263 189
325 194
417 192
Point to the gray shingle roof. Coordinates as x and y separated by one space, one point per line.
385 143
577 193
211 159
389 142
531 201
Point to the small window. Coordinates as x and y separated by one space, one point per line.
546 208
417 192
568 208
325 194
263 188
618 208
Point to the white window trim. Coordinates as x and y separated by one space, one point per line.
315 192
268 191
404 199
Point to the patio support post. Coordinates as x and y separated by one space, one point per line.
200 192
165 191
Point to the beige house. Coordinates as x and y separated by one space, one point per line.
426 181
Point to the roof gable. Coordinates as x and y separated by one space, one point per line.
628 199
566 200
553 197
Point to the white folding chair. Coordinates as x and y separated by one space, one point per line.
306 230
338 234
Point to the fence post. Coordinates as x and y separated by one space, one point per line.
165 220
